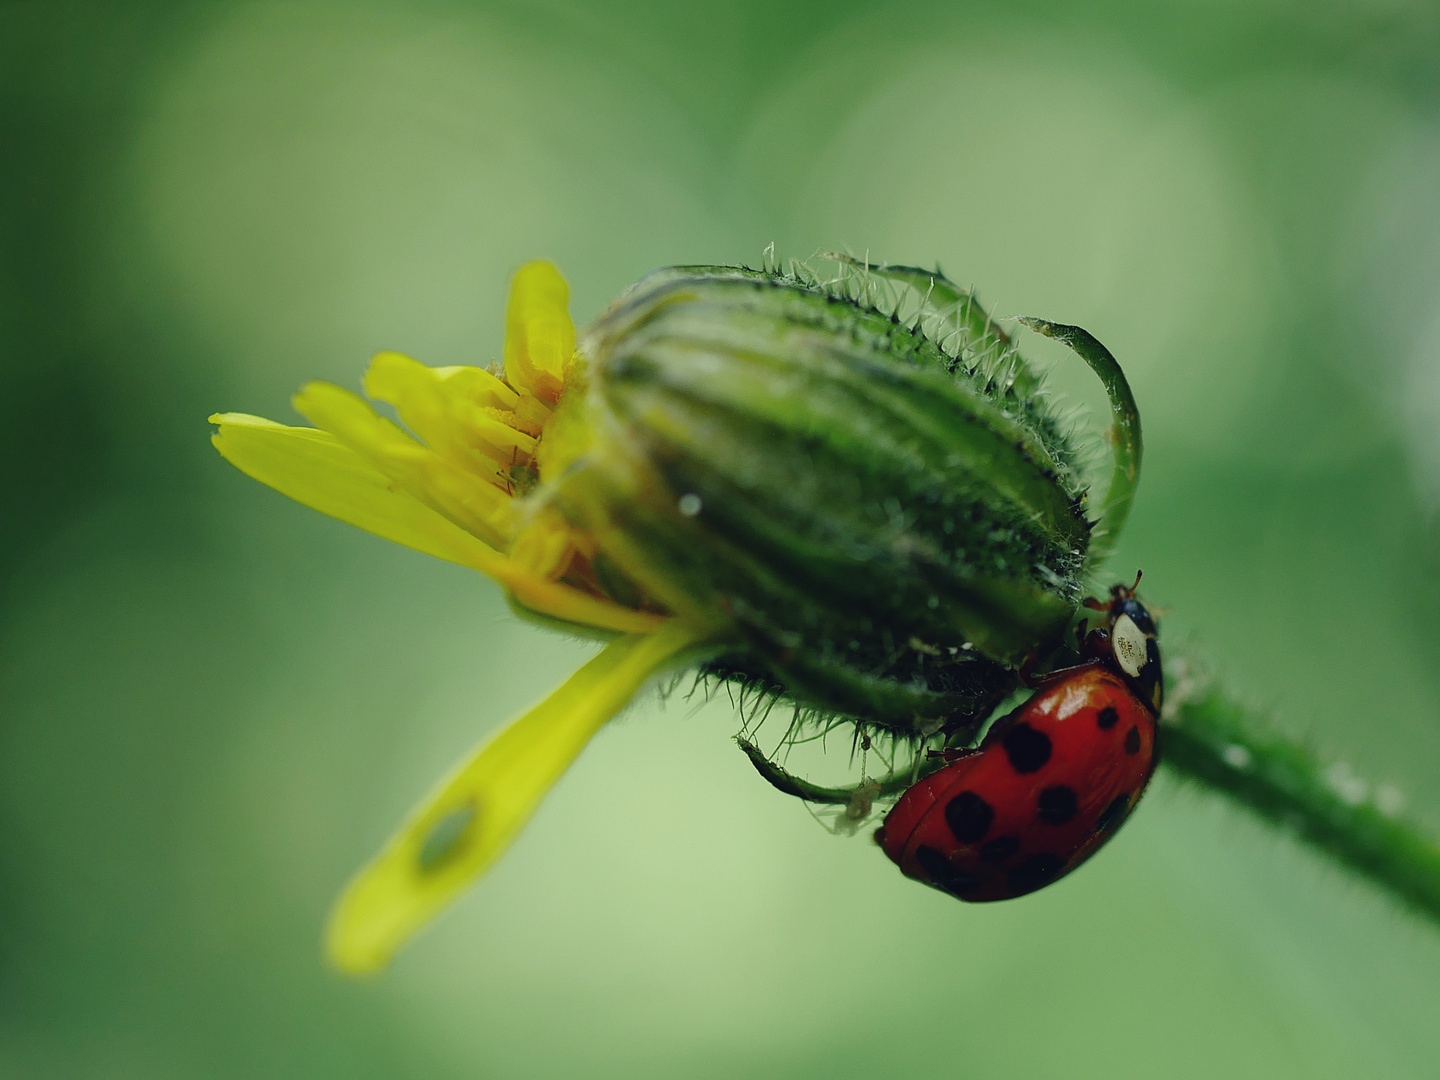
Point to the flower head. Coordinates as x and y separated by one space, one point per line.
805 485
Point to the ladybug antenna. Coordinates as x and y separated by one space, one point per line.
1138 575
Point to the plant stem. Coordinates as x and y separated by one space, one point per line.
1213 740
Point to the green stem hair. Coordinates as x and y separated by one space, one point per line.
985 334
1211 739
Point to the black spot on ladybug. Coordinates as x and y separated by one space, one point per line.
1035 871
1113 814
1027 749
999 849
969 817
1058 805
1108 718
1132 741
945 874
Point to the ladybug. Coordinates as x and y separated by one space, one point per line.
1051 781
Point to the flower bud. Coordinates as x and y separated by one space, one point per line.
856 482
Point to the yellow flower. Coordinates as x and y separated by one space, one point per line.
487 440
850 493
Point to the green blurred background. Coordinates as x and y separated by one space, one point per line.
214 704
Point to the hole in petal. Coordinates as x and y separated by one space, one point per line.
445 837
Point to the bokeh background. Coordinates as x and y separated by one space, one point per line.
214 704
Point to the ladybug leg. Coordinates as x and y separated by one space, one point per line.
1050 678
1026 672
1096 646
954 753
1028 678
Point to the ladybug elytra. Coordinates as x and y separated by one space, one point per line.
1051 781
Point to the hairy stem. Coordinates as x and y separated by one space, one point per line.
1213 740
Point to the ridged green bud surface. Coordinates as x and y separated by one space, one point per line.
859 476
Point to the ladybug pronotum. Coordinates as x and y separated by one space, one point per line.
1051 782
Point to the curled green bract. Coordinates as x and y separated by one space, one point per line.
888 787
1124 434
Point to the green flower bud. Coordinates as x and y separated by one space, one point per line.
859 478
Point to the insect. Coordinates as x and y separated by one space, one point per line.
1051 781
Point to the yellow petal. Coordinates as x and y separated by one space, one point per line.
529 415
569 604
546 545
445 418
471 817
466 498
316 469
477 386
568 435
539 336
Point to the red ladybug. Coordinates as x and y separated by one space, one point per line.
1051 781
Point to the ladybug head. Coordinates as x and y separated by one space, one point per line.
1130 644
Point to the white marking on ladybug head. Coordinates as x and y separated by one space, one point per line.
1129 644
